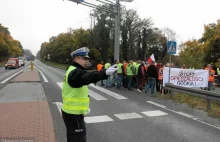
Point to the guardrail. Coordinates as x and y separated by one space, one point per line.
208 95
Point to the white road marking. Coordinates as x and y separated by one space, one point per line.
154 113
91 93
90 119
96 96
185 114
217 125
44 77
11 77
97 119
113 94
206 123
60 84
124 116
59 106
156 104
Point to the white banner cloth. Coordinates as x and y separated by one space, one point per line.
186 77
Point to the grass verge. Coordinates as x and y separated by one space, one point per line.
194 102
56 65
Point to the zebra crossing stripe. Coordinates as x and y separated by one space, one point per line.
124 116
98 119
113 94
59 106
154 113
96 96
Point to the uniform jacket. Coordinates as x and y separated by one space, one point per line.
79 77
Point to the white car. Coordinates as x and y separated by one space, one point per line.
21 62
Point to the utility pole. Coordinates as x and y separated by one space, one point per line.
117 30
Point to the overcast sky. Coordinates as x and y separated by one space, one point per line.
35 21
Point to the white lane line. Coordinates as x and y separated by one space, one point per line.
96 96
44 77
11 76
98 119
59 106
154 113
124 116
91 93
217 125
113 94
156 104
185 114
206 123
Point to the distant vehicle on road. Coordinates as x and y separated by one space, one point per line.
28 58
21 61
12 63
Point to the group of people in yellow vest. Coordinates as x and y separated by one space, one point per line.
139 75
136 74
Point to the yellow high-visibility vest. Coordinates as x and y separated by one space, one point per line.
75 100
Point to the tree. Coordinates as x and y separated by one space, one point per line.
8 46
169 34
102 34
191 54
211 42
156 44
132 25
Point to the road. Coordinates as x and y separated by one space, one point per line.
126 116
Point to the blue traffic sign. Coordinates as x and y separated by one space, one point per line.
171 47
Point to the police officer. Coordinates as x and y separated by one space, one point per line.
75 94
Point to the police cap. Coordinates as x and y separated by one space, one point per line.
83 52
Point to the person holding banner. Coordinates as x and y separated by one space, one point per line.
211 77
160 79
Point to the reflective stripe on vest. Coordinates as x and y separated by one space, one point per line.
136 68
107 65
128 70
119 68
218 71
75 100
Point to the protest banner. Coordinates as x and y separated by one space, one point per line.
186 77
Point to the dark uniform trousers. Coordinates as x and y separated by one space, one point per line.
75 127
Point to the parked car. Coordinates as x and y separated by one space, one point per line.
12 63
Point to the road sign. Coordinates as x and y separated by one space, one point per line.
171 47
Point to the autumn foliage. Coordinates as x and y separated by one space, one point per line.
8 46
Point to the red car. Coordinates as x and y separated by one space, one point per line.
12 63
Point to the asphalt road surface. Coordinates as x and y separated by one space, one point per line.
126 116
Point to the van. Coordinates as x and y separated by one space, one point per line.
21 61
12 63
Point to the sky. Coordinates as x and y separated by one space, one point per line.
33 22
